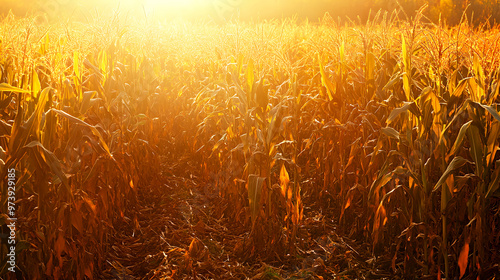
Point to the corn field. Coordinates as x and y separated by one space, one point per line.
264 150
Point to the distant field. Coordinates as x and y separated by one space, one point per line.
276 150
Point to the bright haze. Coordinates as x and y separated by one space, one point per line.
188 9
450 11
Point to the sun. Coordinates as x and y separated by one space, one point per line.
174 8
162 5
166 4
164 9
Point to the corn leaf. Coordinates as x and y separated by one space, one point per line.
476 149
50 161
80 122
254 192
460 138
7 87
456 163
409 106
495 182
35 86
391 132
329 85
463 258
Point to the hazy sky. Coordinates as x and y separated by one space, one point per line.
173 8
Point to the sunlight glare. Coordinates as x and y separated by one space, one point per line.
172 7
153 4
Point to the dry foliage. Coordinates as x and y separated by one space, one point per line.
354 151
